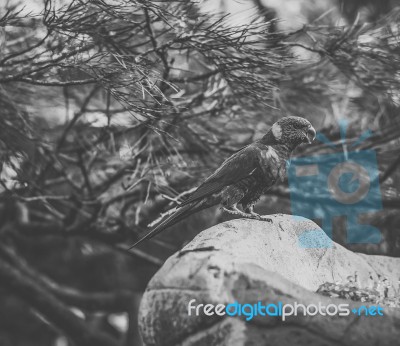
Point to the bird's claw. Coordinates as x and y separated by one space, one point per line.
265 218
255 216
251 215
261 217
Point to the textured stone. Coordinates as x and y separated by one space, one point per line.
249 261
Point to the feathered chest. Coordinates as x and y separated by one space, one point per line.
272 165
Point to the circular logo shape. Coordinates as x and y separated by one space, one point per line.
348 182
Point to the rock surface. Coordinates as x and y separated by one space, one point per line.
249 261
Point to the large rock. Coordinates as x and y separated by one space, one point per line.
249 261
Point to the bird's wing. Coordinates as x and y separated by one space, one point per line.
237 167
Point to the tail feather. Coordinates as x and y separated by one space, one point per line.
179 215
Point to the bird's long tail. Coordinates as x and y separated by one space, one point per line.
179 215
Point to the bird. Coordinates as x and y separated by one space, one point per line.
246 175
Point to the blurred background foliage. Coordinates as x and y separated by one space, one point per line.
112 111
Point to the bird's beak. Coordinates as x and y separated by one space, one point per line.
311 133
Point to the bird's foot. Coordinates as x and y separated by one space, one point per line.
250 215
250 210
260 217
235 211
266 218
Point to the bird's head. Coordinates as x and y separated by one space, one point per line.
293 131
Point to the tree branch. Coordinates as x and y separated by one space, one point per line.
45 303
94 301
